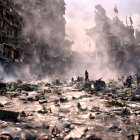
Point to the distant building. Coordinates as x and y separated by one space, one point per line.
115 40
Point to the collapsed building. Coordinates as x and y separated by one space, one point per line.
32 34
11 24
45 30
115 41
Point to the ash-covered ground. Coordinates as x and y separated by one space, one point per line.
70 110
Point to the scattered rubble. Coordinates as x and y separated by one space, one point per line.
8 115
48 111
5 137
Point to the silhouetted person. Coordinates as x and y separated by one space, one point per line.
129 81
57 81
72 80
86 76
78 79
138 79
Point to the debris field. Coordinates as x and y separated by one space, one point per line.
77 110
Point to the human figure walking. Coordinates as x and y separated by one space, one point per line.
86 76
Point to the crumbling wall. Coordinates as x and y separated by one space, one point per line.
116 42
10 34
45 30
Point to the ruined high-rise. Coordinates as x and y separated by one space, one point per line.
46 51
11 47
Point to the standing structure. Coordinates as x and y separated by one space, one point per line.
52 52
36 33
115 41
11 24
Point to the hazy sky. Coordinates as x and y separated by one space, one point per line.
80 16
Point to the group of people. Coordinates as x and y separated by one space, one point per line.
81 78
128 82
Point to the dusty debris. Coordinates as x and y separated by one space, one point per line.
9 115
23 114
5 136
63 100
93 137
27 136
88 85
79 105
126 111
112 102
99 85
47 91
92 116
1 105
135 98
59 116
43 138
3 85
43 101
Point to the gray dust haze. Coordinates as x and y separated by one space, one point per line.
112 44
44 31
116 46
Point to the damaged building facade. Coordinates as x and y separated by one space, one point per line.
45 30
11 48
32 33
115 41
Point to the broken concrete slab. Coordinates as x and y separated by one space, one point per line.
9 115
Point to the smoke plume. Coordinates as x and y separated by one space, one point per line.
98 61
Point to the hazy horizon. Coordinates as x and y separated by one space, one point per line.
80 16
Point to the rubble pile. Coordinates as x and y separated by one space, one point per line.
53 54
41 111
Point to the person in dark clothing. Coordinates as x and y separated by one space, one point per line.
129 82
78 79
138 79
86 76
72 80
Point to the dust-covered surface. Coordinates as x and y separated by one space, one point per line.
73 110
